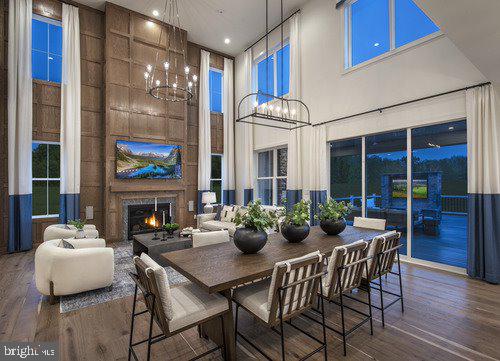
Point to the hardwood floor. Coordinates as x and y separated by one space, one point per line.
447 317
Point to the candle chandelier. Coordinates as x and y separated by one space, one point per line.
269 110
169 78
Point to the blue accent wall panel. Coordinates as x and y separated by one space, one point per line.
229 196
247 196
483 241
317 197
20 212
69 207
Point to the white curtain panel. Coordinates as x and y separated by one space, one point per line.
70 116
317 168
483 169
204 137
295 151
228 178
20 124
247 167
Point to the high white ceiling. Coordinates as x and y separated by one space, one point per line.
209 22
474 27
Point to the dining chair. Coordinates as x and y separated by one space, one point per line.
384 253
173 309
344 274
289 293
207 238
373 223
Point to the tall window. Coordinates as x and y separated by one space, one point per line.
216 176
272 176
374 27
46 53
346 174
215 85
46 179
273 74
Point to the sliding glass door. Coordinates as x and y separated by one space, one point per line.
386 180
346 173
439 180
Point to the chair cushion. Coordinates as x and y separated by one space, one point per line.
254 298
163 285
192 304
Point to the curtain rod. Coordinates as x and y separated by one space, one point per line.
270 31
400 104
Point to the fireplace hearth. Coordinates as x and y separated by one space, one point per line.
142 218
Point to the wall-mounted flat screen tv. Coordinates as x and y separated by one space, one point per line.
399 188
137 160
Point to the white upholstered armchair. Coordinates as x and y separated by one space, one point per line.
62 271
63 231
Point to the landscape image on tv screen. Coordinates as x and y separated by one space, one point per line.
137 160
419 188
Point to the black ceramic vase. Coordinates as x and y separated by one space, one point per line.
331 227
295 234
249 240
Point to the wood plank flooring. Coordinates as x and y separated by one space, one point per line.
447 317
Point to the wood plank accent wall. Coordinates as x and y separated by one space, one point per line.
115 47
47 113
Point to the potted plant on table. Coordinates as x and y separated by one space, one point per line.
332 215
252 237
78 224
295 227
170 228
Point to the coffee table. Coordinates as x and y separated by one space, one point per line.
154 248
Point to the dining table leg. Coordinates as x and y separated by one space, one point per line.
212 330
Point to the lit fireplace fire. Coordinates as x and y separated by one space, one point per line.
152 221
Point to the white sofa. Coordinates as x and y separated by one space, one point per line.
63 231
207 222
64 271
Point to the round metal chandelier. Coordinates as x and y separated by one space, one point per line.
169 78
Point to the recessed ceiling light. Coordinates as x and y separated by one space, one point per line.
156 13
227 41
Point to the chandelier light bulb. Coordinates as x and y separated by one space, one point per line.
195 78
174 85
166 65
149 68
146 75
186 70
190 84
158 83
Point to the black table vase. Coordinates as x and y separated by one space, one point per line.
249 240
331 227
295 234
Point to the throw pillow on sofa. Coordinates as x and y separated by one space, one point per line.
65 244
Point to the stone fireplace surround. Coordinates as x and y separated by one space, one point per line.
145 201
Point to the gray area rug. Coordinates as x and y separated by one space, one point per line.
123 285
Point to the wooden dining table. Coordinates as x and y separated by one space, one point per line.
220 267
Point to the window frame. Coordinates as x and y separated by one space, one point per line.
255 72
54 22
274 177
347 66
47 179
221 91
221 201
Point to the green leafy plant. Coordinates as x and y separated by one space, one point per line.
299 215
333 210
171 227
256 217
77 223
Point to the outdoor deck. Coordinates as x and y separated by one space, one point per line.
448 247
